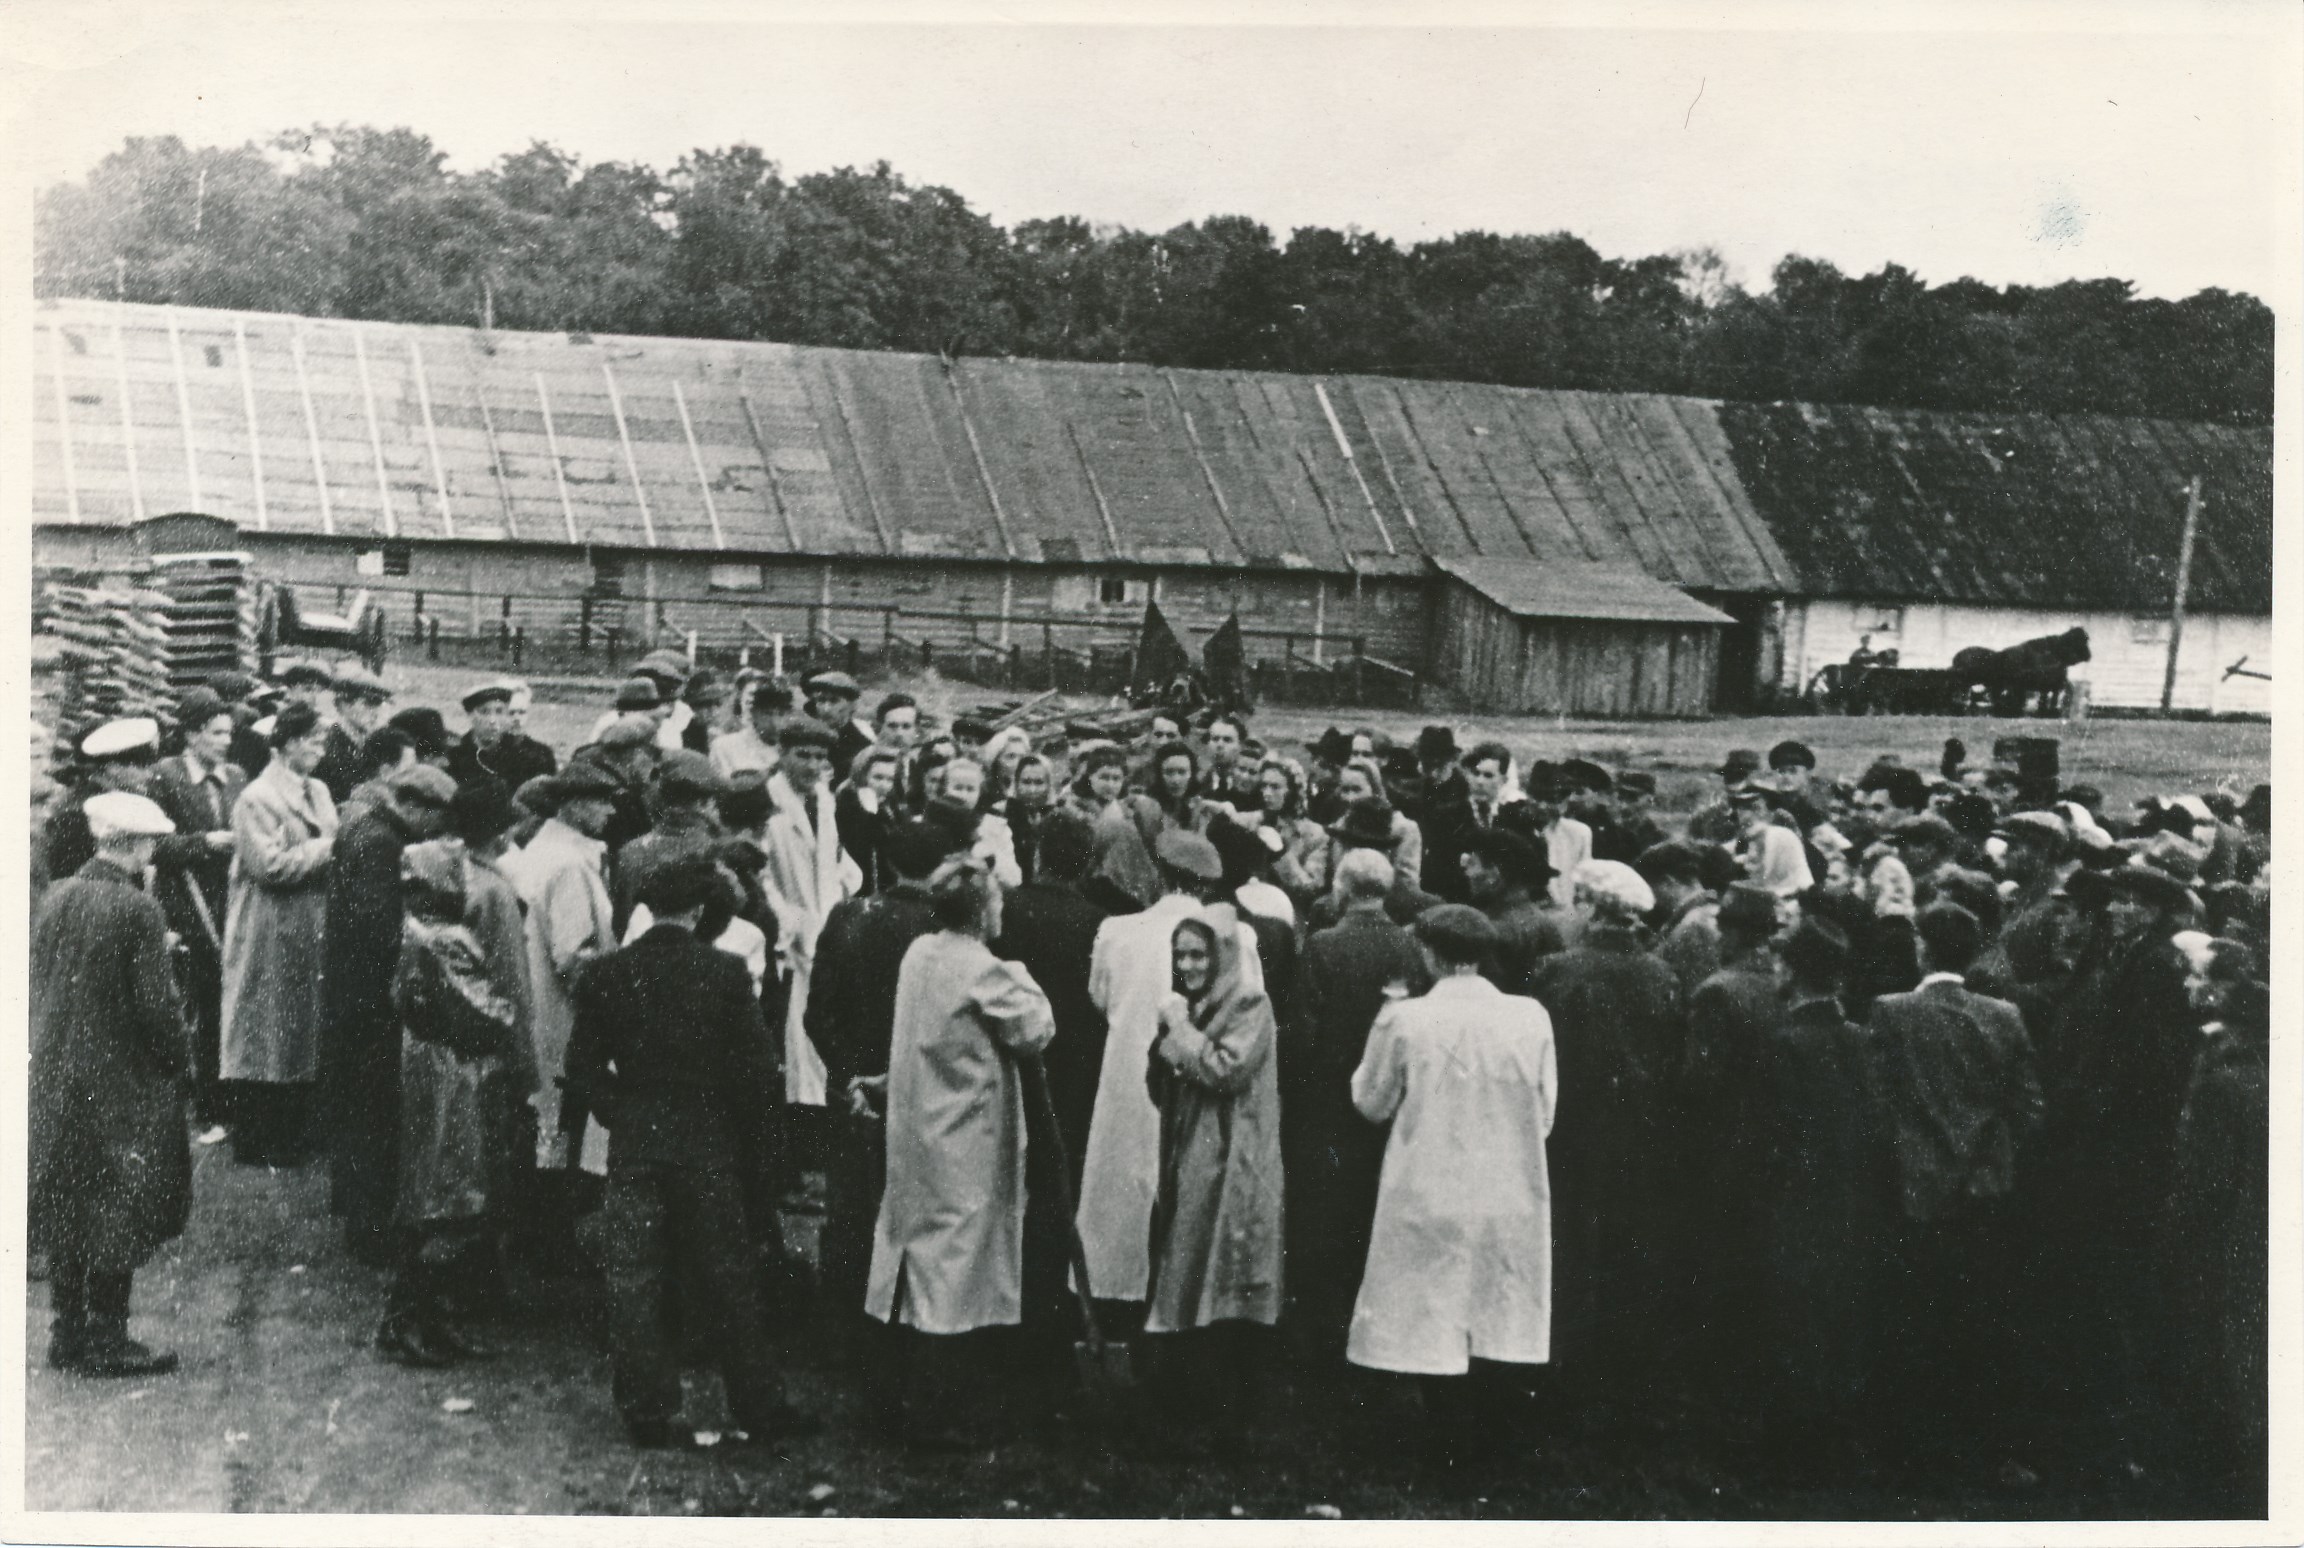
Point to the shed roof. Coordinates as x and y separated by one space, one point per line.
1529 588
2031 510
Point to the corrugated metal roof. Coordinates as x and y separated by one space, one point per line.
1530 588
2035 510
374 430
378 429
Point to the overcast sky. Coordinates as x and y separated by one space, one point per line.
2142 152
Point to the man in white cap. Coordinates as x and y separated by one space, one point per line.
117 755
111 1168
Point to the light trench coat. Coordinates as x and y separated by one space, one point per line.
1218 1227
951 1222
1130 974
808 875
283 832
560 876
1460 1260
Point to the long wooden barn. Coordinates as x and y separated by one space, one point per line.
567 483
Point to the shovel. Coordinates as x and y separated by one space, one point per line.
1104 1365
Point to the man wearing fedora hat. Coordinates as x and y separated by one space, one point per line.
1445 816
1715 822
1505 875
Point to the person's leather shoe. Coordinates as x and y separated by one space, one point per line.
122 1356
404 1342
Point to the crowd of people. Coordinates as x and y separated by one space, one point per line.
1914 1115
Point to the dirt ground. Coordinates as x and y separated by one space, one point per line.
281 1405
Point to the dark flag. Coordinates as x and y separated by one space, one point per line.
1165 672
1225 660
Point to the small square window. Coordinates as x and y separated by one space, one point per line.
1112 588
736 577
607 575
391 559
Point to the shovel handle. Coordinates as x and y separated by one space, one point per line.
1036 1088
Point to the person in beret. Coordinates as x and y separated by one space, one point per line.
198 788
490 748
428 729
359 1053
360 699
284 830
1616 1022
1459 1282
110 1176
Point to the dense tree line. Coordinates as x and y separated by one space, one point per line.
369 223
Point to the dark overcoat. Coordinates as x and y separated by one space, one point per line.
1616 1029
359 1029
111 1167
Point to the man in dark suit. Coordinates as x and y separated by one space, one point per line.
1049 926
1960 1096
197 789
851 1018
668 1051
1332 1157
1447 817
360 699
1507 874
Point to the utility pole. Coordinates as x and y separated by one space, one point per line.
2183 587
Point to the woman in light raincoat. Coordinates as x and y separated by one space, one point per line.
1217 1218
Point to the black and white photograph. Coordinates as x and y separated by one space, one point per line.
990 764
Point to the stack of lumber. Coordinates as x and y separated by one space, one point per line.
210 617
133 639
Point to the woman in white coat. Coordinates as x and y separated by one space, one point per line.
283 834
1460 1259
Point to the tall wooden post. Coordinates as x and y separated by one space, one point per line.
2183 589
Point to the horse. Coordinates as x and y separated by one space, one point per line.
2011 677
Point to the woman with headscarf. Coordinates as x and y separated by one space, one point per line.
1217 1215
284 834
948 1248
1300 868
1030 789
458 1034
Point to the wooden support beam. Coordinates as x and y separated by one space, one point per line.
431 437
983 471
1104 510
559 473
311 428
1207 473
64 425
768 469
375 432
631 463
696 460
248 412
127 418
856 449
184 413
495 457
1343 446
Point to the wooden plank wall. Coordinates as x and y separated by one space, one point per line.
1544 666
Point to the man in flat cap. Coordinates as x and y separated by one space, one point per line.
831 701
491 749
562 876
807 876
2031 960
359 1072
1632 829
669 1052
198 789
117 755
687 822
427 728
111 1167
1715 822
360 699
305 682
637 697
1130 977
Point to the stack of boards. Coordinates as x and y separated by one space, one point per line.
134 639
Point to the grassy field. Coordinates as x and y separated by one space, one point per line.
2126 759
